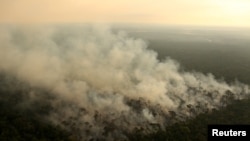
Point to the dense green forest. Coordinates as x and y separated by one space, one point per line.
195 129
22 120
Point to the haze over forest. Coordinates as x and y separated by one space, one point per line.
119 70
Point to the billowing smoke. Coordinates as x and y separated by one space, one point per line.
107 84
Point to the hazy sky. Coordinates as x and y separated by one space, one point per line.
196 12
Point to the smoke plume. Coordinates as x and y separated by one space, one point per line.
107 84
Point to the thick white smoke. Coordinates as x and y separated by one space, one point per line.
104 80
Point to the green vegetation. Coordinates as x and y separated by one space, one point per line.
21 121
225 54
222 52
196 129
